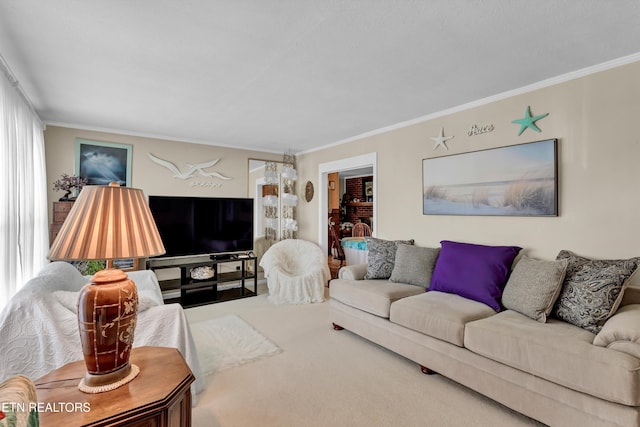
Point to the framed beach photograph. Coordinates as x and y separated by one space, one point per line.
103 162
518 180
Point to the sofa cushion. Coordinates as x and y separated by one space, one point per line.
472 271
534 286
558 352
381 257
438 314
414 265
592 289
372 296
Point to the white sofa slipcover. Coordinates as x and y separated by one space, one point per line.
297 272
39 325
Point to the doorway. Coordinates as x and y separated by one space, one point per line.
352 165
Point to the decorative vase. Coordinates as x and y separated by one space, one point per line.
107 315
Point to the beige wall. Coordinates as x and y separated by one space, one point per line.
595 119
147 175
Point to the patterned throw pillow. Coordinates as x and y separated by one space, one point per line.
533 287
592 289
381 257
414 265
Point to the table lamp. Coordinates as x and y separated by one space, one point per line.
107 223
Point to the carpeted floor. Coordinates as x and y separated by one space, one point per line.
324 377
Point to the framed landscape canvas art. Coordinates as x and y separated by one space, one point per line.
518 180
103 162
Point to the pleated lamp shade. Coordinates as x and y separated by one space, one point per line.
105 223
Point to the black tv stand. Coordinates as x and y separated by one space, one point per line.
195 292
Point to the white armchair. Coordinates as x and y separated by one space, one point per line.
297 272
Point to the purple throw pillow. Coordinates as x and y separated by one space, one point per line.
475 272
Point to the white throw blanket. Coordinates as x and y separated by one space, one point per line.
39 326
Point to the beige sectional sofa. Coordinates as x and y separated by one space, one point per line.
551 370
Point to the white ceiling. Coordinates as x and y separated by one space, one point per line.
279 75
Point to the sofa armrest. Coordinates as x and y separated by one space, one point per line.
353 272
622 331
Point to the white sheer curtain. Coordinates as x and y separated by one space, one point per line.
24 237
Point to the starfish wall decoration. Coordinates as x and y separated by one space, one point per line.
441 140
529 122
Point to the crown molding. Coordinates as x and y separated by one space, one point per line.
619 62
156 136
473 104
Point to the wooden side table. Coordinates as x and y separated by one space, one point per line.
160 396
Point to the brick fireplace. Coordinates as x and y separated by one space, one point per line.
359 205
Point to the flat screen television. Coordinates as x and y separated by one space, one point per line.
203 225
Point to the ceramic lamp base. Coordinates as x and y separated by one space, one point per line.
94 384
107 314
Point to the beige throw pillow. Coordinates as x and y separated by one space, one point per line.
414 265
534 286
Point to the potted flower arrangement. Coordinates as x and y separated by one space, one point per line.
69 183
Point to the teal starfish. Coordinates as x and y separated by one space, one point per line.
529 122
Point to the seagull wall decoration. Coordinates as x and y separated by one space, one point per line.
192 168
